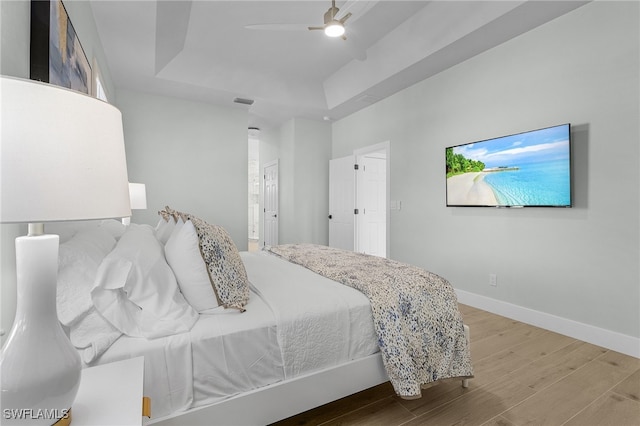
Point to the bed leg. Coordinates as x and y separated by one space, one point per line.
465 382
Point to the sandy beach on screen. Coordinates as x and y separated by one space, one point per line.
470 188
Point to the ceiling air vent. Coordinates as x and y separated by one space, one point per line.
243 101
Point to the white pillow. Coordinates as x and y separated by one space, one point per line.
164 229
183 255
78 261
136 290
179 224
114 227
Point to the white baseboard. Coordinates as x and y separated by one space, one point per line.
615 341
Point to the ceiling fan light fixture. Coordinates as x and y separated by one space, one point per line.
334 29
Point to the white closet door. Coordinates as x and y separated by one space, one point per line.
341 202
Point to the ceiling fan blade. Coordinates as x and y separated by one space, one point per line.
315 28
277 27
344 18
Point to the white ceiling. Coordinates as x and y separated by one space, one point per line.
215 51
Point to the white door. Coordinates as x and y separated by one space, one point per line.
271 204
341 202
372 199
372 204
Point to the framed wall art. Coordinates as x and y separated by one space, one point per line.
56 56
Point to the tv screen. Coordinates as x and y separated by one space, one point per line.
530 169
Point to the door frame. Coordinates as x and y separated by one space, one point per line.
263 230
386 147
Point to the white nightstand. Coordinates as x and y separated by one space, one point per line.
110 394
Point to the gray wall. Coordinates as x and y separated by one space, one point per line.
191 156
14 29
303 149
579 264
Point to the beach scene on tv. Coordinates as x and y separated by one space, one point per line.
526 169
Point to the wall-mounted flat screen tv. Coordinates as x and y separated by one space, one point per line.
529 169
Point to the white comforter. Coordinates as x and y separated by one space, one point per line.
321 323
296 322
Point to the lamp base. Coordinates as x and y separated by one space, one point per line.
40 368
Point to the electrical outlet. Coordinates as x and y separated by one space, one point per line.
493 280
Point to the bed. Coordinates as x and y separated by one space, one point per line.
290 340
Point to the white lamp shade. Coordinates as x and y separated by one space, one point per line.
137 196
62 155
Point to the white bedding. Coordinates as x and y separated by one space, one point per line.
321 323
234 352
296 322
205 364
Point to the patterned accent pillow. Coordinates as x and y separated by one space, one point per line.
224 264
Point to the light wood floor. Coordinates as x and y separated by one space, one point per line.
524 375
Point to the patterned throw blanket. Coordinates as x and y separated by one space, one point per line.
419 327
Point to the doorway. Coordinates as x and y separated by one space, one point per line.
359 194
254 190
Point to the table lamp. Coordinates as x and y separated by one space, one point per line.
137 199
62 158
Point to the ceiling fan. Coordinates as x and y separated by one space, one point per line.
332 22
333 27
